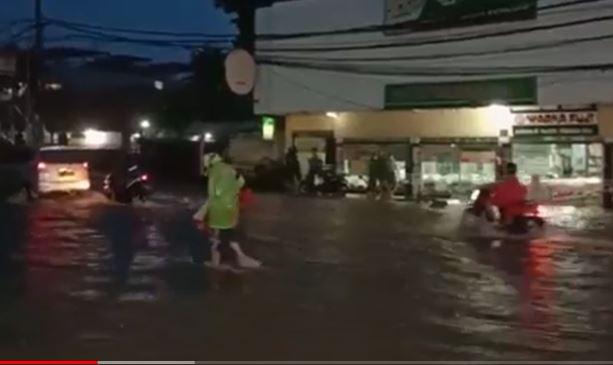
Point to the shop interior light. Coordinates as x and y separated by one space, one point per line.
501 115
333 115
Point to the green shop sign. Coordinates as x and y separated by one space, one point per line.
512 91
436 14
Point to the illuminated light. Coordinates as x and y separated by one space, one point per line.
333 115
268 128
86 165
54 86
501 115
94 137
144 177
208 137
195 138
42 165
135 136
145 124
159 85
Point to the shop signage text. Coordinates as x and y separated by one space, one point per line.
512 91
433 14
529 131
556 118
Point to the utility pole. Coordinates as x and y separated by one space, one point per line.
39 24
35 65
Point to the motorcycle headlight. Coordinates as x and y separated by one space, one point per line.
474 195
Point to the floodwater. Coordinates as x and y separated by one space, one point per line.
343 280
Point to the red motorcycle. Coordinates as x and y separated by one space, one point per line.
516 219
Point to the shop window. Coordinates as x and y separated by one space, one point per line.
454 171
559 161
477 167
356 161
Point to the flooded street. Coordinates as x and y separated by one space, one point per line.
343 280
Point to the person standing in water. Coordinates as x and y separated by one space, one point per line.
223 210
224 185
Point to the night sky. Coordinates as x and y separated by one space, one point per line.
164 15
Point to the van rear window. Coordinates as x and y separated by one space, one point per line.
62 156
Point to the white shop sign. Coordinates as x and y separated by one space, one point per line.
556 118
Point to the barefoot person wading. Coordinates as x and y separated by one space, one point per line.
222 215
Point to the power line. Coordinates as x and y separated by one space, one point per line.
83 37
101 36
20 35
443 71
419 36
374 28
436 56
366 29
532 29
321 93
140 31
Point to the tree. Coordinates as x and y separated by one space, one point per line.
217 101
245 21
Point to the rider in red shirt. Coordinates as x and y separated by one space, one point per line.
510 195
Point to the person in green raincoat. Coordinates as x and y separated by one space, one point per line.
224 185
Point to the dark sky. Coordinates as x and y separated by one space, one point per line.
164 15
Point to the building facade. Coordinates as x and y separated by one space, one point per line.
451 89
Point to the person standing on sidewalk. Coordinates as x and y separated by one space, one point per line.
316 167
292 165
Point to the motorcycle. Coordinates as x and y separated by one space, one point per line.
521 219
328 182
135 185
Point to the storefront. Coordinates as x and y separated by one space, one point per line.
355 156
433 152
563 148
454 167
450 152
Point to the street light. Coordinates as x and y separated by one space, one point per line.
158 85
145 124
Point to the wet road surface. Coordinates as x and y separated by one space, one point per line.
343 280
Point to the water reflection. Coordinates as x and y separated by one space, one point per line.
554 311
12 268
125 231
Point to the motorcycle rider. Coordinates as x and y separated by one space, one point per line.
509 196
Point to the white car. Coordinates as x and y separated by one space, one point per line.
62 169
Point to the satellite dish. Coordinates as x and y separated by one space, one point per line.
240 71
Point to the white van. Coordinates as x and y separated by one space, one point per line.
62 169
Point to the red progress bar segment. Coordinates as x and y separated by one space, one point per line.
49 362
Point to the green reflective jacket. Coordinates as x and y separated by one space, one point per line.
224 189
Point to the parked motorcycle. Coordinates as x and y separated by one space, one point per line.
328 182
134 185
524 219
